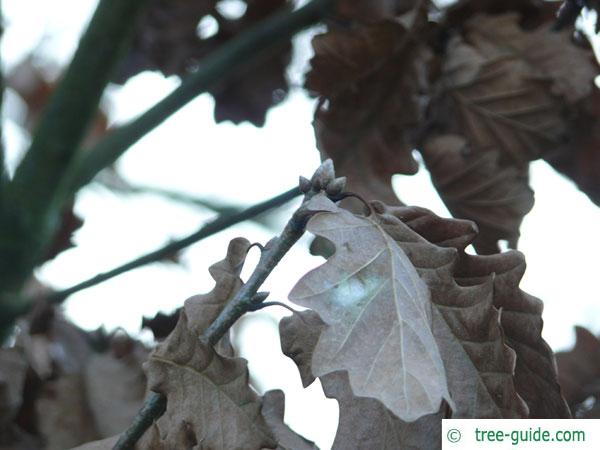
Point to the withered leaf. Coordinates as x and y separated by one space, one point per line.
493 95
535 371
168 39
378 314
474 186
12 379
203 309
64 417
579 159
372 10
368 78
579 369
273 410
479 364
364 422
208 398
161 324
114 381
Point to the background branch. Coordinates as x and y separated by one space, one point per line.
32 201
244 49
219 224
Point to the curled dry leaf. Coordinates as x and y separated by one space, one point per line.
378 314
173 37
368 79
535 371
203 309
474 186
579 370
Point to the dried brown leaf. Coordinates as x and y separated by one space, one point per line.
579 369
579 159
115 382
168 39
512 90
208 398
368 78
373 10
479 364
535 371
203 309
378 314
474 186
273 410
64 417
12 378
364 422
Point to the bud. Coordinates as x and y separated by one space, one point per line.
304 185
336 187
324 175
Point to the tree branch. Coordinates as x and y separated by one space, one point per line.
219 224
32 201
246 299
236 54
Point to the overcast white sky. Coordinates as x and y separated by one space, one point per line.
244 165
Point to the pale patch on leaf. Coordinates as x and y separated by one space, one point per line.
378 314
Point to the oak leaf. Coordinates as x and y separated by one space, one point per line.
579 370
510 89
169 38
378 314
369 80
535 371
273 409
474 186
479 364
364 422
208 397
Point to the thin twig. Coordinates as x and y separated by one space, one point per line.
241 51
245 299
219 224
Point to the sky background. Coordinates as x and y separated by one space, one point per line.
242 165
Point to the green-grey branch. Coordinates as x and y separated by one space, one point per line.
219 224
32 201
